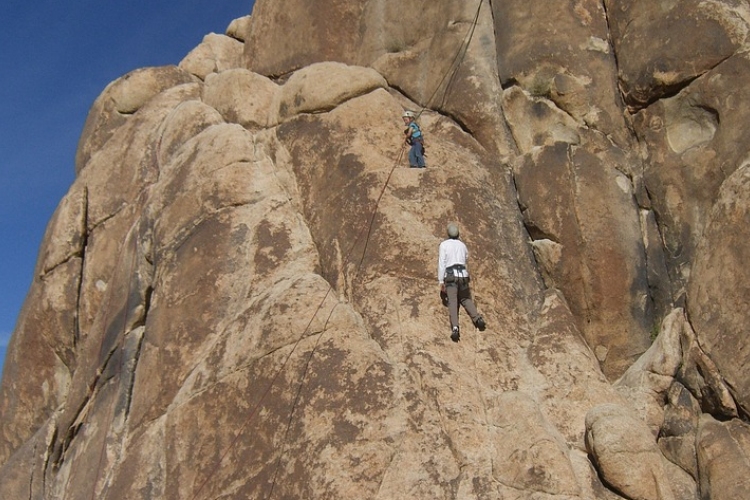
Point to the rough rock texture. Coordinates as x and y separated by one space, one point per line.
237 299
720 270
625 453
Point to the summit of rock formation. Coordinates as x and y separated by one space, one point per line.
237 298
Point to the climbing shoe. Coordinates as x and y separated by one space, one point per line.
455 335
479 323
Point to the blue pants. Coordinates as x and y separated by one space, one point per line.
416 155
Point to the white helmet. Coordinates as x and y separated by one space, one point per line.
452 230
408 114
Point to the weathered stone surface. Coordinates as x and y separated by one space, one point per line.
646 383
215 54
605 284
187 120
695 137
48 330
720 271
700 375
536 122
659 283
120 99
23 474
626 453
677 437
683 485
559 352
302 93
65 237
563 54
662 46
723 458
41 357
415 46
237 297
239 28
242 97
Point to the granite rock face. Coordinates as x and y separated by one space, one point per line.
237 297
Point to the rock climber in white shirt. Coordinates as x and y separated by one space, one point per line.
453 276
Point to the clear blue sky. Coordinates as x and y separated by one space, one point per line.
56 58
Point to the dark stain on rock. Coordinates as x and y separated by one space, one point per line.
544 345
350 166
273 245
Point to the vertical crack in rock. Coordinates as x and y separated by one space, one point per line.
117 342
611 44
133 368
585 270
84 248
48 452
32 473
59 455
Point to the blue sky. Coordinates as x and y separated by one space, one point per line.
56 58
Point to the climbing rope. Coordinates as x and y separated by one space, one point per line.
255 409
457 60
452 71
357 268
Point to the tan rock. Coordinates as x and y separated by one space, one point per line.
658 50
123 167
626 454
119 100
723 458
242 97
23 474
215 54
65 237
693 149
536 460
414 46
559 352
720 288
661 286
45 339
601 268
239 28
548 254
186 121
683 484
701 376
646 383
677 436
562 54
536 122
303 92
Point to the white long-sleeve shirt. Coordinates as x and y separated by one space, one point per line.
450 253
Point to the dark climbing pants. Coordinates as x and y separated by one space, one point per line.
459 291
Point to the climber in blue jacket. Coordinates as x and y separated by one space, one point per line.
415 139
